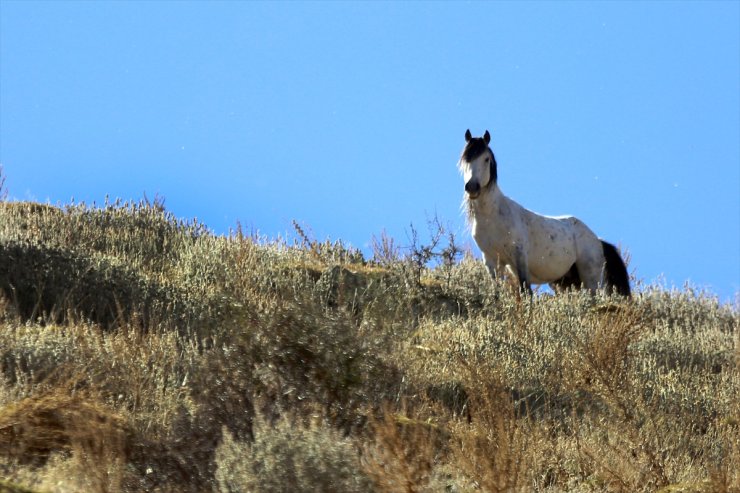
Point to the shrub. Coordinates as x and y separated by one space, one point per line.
290 458
235 362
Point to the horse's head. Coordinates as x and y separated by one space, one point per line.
478 165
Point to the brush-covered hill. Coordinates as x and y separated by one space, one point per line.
139 352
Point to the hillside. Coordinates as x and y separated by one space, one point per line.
139 352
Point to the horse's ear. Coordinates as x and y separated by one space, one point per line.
468 135
487 137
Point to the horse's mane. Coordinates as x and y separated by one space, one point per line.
467 205
474 148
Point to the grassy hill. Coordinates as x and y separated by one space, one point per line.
139 352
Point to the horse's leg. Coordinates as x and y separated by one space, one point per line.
590 266
522 271
572 279
492 265
499 270
589 257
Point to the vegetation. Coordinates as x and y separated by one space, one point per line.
139 352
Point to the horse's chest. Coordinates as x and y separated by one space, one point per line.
491 236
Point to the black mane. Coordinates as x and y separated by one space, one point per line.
474 148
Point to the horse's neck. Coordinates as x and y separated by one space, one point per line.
490 204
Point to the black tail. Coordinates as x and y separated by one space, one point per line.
615 272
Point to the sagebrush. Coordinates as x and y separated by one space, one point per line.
140 352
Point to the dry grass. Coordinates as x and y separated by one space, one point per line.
76 433
143 353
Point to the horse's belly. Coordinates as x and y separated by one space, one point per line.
545 270
552 248
551 254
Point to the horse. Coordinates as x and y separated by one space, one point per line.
527 247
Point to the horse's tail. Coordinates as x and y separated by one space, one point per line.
615 274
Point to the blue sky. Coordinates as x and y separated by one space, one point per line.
349 117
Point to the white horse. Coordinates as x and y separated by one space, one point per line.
533 249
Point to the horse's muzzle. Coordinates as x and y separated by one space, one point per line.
472 188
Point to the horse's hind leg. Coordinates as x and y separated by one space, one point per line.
589 257
572 279
591 270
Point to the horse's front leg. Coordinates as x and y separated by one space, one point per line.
522 271
491 264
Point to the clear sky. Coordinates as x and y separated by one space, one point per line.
350 117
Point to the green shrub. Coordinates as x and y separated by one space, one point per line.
290 458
